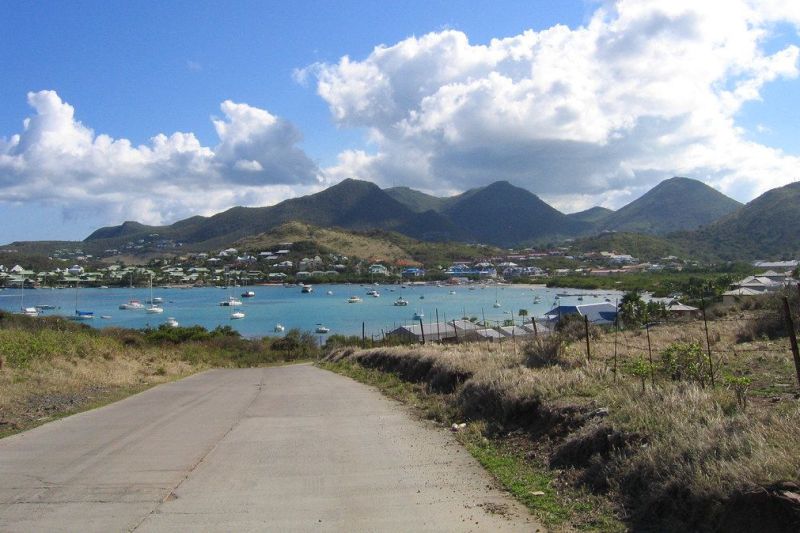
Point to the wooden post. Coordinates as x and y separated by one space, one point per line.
535 330
650 355
455 331
586 329
616 331
363 334
708 342
422 331
792 336
438 333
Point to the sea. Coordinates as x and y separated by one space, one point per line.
326 306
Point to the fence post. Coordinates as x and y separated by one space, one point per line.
616 330
650 355
422 331
438 334
792 336
708 342
455 331
586 329
535 330
363 334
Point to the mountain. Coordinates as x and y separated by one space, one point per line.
594 215
506 215
351 204
417 201
765 228
675 204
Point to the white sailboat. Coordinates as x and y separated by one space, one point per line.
153 308
27 311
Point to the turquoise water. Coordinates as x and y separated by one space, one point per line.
289 307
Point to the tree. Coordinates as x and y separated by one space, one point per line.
523 313
632 309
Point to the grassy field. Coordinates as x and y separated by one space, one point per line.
615 443
51 367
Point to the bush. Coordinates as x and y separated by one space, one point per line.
573 328
684 361
771 322
545 351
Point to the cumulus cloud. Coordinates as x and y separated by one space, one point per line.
58 160
643 91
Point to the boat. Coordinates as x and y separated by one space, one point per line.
419 315
497 304
132 305
171 322
322 329
279 328
81 315
373 293
237 315
354 300
248 294
153 308
329 293
452 292
422 297
306 289
30 311
105 317
45 307
230 302
156 300
401 302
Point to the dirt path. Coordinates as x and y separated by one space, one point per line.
290 448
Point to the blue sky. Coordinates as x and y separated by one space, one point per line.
440 106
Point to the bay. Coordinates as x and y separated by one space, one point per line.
273 305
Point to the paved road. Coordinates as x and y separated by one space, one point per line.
276 449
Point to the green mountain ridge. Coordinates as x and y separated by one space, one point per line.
675 204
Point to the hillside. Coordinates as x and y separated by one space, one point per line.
675 204
592 215
417 201
644 247
343 242
765 228
373 244
351 204
506 215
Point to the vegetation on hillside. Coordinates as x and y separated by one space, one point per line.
638 425
672 205
50 367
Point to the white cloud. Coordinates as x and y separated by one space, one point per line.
58 160
645 90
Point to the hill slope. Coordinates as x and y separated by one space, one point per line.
593 215
673 205
765 228
506 215
417 201
351 204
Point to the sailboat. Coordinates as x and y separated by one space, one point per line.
27 311
497 303
233 302
153 308
81 315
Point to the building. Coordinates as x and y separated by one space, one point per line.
603 313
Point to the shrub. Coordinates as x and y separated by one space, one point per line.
684 361
545 351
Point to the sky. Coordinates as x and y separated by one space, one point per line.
156 111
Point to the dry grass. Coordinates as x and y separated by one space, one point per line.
47 373
343 242
678 455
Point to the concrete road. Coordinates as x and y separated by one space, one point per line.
275 449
